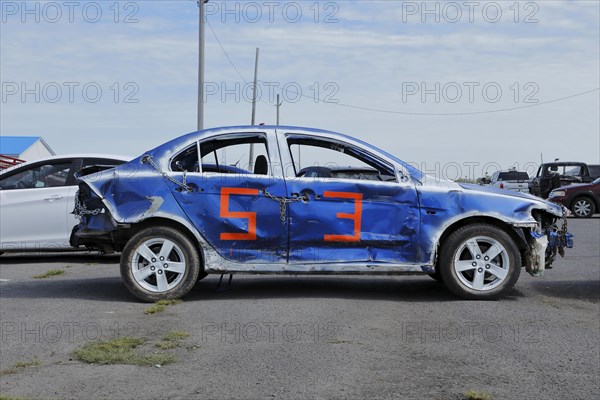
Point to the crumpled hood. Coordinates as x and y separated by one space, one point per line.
552 208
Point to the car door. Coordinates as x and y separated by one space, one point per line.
345 217
231 202
34 206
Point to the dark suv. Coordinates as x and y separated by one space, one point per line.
582 199
558 174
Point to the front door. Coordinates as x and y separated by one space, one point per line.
353 209
35 206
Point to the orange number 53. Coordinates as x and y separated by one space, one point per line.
250 216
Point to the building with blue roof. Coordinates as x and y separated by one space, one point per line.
26 148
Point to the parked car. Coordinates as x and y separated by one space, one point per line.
582 199
175 226
511 180
557 174
36 201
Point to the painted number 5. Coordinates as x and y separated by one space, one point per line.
250 216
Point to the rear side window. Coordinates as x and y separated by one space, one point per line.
513 176
187 160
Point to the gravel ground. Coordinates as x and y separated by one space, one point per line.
306 337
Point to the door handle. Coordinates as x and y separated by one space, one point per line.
54 198
192 188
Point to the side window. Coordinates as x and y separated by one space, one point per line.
573 170
237 154
315 158
187 160
39 176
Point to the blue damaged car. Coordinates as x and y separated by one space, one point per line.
290 200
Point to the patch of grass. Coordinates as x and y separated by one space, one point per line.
19 366
4 397
172 340
52 272
160 306
116 351
338 341
475 395
24 364
120 351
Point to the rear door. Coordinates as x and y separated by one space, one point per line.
231 203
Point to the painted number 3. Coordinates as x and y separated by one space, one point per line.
356 216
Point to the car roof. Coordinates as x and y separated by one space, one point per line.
562 163
69 156
279 128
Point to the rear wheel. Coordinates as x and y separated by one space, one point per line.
480 262
583 207
159 263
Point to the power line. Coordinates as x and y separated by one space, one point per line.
225 52
466 113
378 110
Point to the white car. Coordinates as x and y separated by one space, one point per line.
37 200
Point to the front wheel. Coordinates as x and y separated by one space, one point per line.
159 263
583 207
480 262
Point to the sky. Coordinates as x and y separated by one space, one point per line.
456 88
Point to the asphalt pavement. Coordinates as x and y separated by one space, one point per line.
304 337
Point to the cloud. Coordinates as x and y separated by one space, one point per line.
370 55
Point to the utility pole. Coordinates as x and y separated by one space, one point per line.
278 105
254 91
201 65
253 121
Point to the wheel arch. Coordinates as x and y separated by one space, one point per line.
170 223
517 234
587 195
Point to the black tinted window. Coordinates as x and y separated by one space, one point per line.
513 176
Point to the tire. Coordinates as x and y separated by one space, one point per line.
150 273
465 269
583 207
